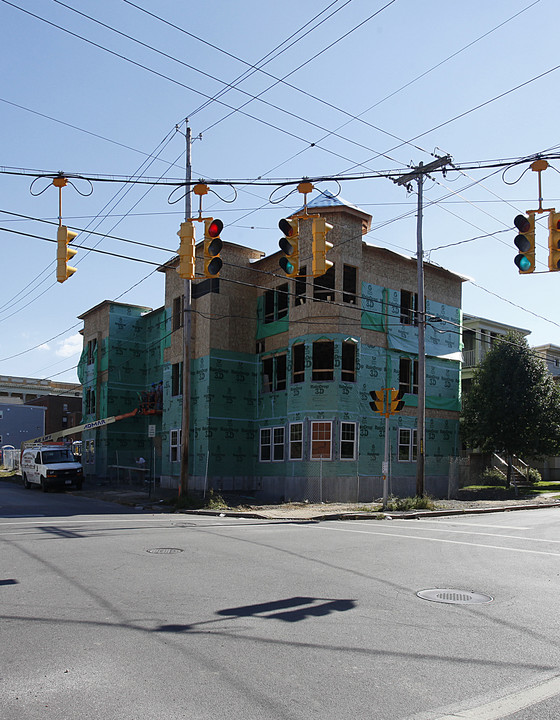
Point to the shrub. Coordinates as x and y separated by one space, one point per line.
409 503
533 476
491 476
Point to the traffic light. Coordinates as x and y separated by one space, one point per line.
289 245
378 401
525 243
553 241
396 401
212 247
320 246
64 253
187 251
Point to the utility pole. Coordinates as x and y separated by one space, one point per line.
418 174
187 336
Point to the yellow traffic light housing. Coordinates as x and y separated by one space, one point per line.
378 401
187 250
212 247
289 245
553 241
64 253
396 401
525 243
320 246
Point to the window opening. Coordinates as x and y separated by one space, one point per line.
91 351
348 362
323 360
298 363
282 297
267 374
323 286
280 381
177 316
408 375
269 306
349 284
409 307
301 287
90 401
177 379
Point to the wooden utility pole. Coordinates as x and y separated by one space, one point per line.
418 174
187 299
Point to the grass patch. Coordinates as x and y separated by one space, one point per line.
410 503
541 487
534 489
212 501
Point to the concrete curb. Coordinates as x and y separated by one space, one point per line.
379 515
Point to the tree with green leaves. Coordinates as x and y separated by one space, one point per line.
513 405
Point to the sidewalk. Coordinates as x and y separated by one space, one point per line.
155 501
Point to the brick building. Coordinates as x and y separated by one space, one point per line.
281 371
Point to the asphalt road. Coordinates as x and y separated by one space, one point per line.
112 613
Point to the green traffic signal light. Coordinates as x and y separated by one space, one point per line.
525 243
289 245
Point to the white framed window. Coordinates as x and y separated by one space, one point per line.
321 440
407 450
278 434
265 448
175 445
296 441
348 440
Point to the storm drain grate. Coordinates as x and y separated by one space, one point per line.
454 597
164 551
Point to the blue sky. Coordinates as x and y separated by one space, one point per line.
369 86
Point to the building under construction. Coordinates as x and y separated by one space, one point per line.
281 372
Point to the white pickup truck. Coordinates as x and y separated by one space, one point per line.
50 466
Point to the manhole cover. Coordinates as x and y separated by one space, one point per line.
455 597
164 551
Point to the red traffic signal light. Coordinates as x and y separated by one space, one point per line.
212 247
525 243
